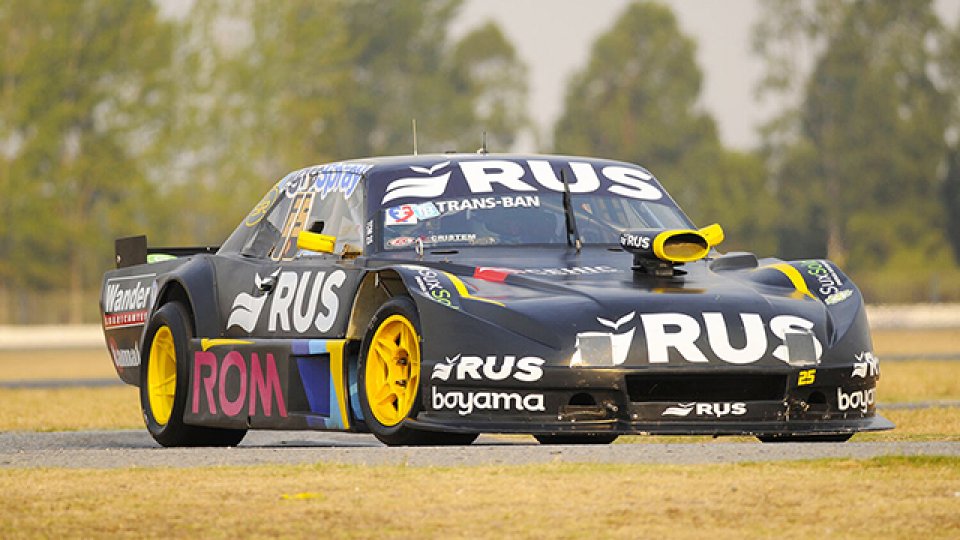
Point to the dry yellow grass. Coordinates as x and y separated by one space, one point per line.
56 364
884 497
66 409
933 424
916 341
919 380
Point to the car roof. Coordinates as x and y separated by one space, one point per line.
381 167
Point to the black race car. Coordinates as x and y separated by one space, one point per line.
427 299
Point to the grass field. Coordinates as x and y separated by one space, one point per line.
56 364
890 497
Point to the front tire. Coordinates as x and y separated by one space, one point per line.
164 380
389 378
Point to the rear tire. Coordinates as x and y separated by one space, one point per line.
389 378
164 380
843 437
587 438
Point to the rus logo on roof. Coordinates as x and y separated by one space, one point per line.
538 175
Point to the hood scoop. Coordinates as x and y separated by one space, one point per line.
659 252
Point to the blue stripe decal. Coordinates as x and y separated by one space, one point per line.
300 347
305 347
334 421
317 383
318 346
355 397
313 363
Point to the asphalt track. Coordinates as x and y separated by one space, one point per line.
135 448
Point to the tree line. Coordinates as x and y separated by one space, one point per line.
116 119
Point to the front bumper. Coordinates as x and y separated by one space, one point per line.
785 401
874 422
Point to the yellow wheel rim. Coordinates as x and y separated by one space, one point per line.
393 370
162 375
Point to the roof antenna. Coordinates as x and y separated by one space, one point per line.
483 144
414 120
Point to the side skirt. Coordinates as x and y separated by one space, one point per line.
269 384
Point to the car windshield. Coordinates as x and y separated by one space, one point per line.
521 219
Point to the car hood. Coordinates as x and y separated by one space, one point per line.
598 311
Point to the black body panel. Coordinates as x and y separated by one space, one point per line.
525 338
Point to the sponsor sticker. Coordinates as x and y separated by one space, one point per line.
669 335
635 241
867 365
489 368
487 203
124 358
126 300
699 410
605 348
437 287
425 184
300 302
426 210
400 215
569 271
401 241
838 297
484 176
449 238
861 400
829 282
340 178
466 402
409 214
296 221
494 274
260 210
255 384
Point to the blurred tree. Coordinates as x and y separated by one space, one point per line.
489 91
951 201
636 100
409 68
950 190
857 162
269 87
79 86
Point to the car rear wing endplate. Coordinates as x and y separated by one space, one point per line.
133 250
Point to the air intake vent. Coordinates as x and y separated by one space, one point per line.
706 387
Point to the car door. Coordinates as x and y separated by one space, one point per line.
274 288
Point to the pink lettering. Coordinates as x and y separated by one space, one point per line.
232 407
266 388
209 360
260 383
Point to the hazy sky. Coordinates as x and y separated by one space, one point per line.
554 39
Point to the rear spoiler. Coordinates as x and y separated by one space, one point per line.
133 250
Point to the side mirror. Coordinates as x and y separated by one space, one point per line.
312 241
